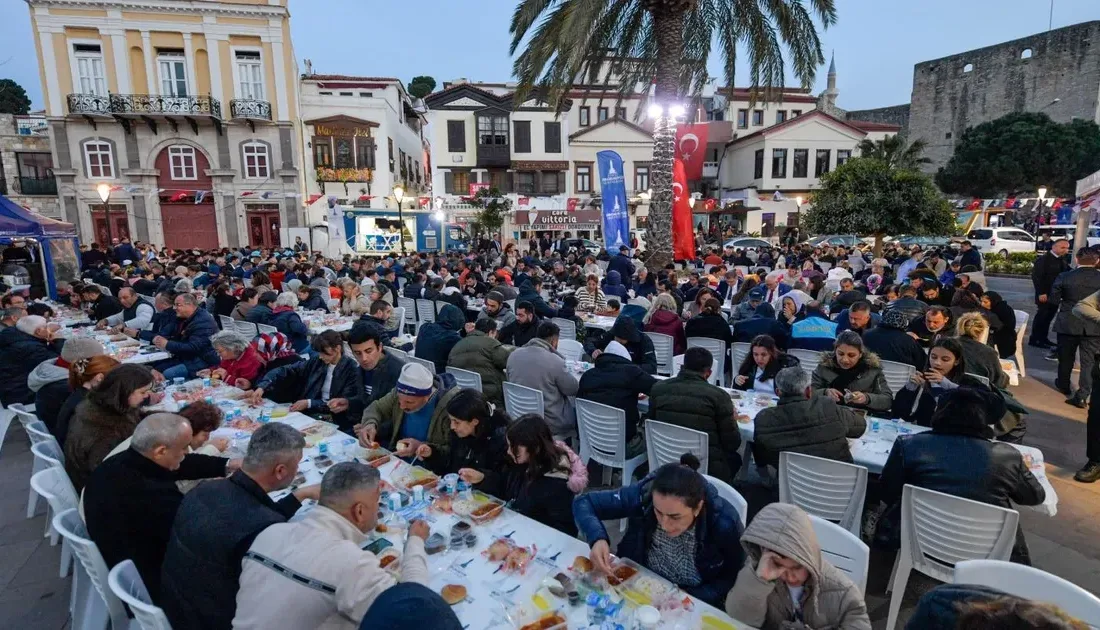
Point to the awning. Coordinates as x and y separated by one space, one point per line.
15 221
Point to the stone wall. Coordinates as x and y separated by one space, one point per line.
11 142
893 115
963 90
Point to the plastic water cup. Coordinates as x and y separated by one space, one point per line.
177 381
450 481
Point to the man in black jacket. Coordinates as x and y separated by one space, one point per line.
1076 332
378 370
616 382
1043 274
103 306
530 291
522 328
262 313
890 341
216 524
626 333
131 499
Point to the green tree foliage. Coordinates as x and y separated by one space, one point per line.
895 151
1019 153
421 86
13 98
865 196
494 205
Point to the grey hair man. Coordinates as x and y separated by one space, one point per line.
218 521
325 547
131 499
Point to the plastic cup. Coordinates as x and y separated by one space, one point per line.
177 381
647 617
450 481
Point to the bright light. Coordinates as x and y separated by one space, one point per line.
104 191
676 111
644 196
656 111
798 201
691 201
398 193
440 216
1042 193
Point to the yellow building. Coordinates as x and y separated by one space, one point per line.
188 109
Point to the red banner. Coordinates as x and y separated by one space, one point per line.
683 237
691 147
476 186
425 202
571 204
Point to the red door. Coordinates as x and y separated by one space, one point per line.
263 228
189 226
183 180
120 225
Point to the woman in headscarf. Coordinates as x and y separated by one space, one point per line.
792 303
1004 339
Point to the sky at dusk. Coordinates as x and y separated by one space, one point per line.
876 42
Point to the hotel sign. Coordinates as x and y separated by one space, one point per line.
325 130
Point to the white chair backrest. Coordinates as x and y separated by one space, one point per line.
940 530
53 484
226 321
400 354
662 346
984 380
833 490
399 315
825 266
665 443
734 497
897 374
717 349
69 525
38 432
520 400
49 453
410 309
1021 331
602 432
127 585
425 311
426 363
568 328
1031 583
738 351
843 549
267 330
248 329
807 358
511 304
1021 320
677 364
465 378
571 349
639 301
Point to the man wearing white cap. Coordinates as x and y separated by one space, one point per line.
414 414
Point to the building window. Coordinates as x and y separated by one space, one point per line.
173 73
552 136
795 113
91 78
250 75
601 114
641 177
366 94
181 162
523 136
620 112
389 147
364 152
583 183
757 117
549 184
492 130
344 152
821 166
584 113
325 93
35 171
842 157
460 183
456 136
801 163
256 161
525 182
758 164
347 93
322 151
742 119
780 116
779 163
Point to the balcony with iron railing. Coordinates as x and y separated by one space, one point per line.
250 109
489 155
89 104
156 104
37 185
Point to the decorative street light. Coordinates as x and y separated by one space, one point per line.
1042 194
104 191
399 195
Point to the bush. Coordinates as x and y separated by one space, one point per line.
1017 263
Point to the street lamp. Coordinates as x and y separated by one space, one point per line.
1042 194
104 191
441 217
656 111
399 195
676 111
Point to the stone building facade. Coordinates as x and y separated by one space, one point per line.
26 166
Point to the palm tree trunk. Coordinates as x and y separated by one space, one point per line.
668 25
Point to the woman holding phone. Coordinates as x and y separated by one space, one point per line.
946 371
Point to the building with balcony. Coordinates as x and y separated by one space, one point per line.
186 109
26 164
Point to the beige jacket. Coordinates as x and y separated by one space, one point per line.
829 600
343 579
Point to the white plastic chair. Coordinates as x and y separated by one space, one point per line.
738 351
53 485
843 549
807 358
400 354
984 380
665 443
568 328
425 312
1021 329
410 312
662 347
639 301
520 400
571 349
897 374
426 363
48 454
833 490
248 329
941 530
1031 583
6 417
226 322
88 608
717 349
677 364
603 438
465 378
732 496
399 315
126 583
264 329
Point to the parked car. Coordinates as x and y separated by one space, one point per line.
835 240
1001 240
591 247
746 242
925 242
1069 232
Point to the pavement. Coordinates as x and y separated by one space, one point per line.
33 596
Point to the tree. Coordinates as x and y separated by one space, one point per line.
895 151
865 196
494 206
421 86
13 98
669 43
1019 153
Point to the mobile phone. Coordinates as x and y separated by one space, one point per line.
378 546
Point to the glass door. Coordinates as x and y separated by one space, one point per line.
173 74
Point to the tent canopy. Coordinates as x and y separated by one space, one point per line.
16 221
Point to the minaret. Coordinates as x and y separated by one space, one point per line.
827 101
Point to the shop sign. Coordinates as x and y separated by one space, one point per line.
587 219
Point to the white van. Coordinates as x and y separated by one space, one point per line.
1068 232
1001 240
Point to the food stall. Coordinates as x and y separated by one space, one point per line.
51 249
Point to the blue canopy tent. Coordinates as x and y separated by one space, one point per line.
59 243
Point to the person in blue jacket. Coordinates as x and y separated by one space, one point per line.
815 331
163 323
190 343
673 514
288 322
622 263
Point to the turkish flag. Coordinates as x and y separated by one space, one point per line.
683 237
710 204
975 205
691 147
180 196
571 204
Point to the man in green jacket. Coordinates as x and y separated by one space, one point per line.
413 415
480 352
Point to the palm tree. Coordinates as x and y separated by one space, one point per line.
895 151
667 43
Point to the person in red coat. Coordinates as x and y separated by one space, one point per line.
240 363
662 318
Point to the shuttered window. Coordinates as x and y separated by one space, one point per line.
523 136
553 137
456 136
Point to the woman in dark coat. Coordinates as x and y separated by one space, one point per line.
287 321
479 449
540 481
852 376
1004 338
946 371
764 360
709 323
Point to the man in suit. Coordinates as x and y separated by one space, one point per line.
1073 331
1046 270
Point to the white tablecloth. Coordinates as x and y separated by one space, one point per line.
602 322
320 322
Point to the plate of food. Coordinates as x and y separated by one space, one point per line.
390 560
118 338
744 418
413 476
512 557
481 508
244 423
317 431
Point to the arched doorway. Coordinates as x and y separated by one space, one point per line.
187 201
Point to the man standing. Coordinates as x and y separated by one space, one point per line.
968 257
1043 274
1073 331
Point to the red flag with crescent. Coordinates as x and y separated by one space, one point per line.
691 147
683 237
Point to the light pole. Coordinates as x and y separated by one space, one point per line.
104 191
798 212
441 217
399 195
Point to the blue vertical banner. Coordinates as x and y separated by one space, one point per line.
616 218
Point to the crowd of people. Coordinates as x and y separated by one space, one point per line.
217 553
